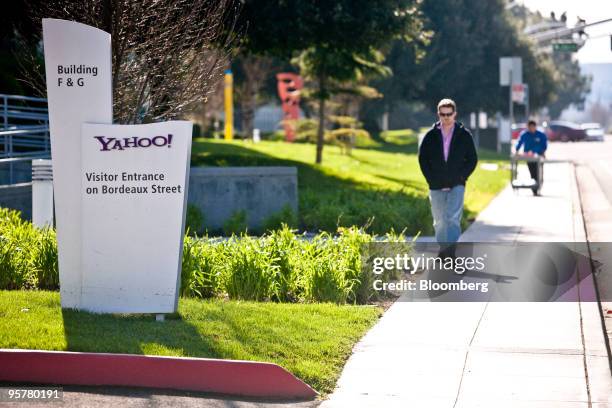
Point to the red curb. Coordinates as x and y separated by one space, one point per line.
233 377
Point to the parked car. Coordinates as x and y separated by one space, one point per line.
564 131
594 131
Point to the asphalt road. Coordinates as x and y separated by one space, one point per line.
593 164
597 156
94 397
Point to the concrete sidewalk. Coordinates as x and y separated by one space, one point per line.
483 354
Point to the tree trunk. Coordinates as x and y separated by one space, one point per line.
321 131
255 70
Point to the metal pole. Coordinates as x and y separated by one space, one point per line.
511 113
229 105
527 102
554 34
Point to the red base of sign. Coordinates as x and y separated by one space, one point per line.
233 377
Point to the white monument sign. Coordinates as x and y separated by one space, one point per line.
134 181
79 89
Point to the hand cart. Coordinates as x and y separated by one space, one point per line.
534 185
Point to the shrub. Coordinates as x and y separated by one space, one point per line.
324 276
194 221
44 260
305 130
18 238
201 269
349 248
282 246
12 274
279 266
274 136
285 216
250 271
236 223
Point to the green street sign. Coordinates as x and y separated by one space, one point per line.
565 47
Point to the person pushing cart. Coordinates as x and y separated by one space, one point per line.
534 144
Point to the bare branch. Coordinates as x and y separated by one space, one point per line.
166 53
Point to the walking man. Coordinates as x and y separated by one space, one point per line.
534 143
447 157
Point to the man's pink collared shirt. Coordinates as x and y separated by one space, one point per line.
447 136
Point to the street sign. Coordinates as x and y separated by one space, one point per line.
510 70
519 93
565 47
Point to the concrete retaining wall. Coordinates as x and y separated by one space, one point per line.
17 197
219 192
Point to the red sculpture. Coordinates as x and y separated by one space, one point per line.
289 86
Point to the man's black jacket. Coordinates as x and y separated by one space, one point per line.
462 158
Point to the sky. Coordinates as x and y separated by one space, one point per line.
596 50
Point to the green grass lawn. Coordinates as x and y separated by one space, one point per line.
312 341
382 181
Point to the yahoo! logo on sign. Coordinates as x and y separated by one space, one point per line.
113 143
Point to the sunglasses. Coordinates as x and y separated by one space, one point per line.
446 115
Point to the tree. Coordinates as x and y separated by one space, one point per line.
462 60
254 71
167 55
344 41
573 87
569 86
459 58
16 28
336 41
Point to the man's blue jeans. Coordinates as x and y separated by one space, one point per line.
446 209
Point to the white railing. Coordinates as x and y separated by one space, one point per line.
24 128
